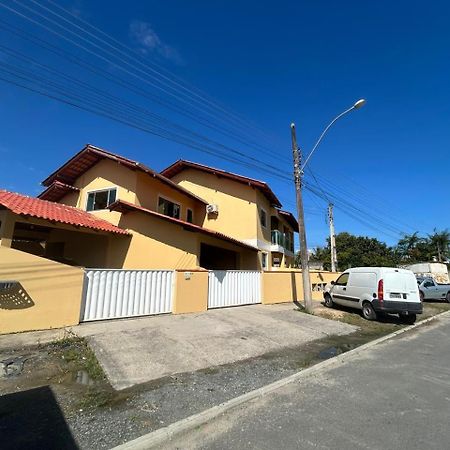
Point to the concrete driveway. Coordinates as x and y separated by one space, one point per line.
133 351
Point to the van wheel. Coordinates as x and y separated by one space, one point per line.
328 301
408 319
368 312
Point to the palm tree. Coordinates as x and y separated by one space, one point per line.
407 247
440 242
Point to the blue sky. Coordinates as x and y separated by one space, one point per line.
271 63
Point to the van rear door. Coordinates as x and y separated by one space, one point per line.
401 287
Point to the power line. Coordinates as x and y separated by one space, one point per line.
101 108
129 68
160 70
119 81
358 214
156 119
358 200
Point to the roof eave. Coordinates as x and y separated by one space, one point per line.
125 207
180 165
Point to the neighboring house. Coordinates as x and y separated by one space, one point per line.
102 210
241 207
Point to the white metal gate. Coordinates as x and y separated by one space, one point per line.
233 287
111 294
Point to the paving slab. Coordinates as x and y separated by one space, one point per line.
134 351
32 338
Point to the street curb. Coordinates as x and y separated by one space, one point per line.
158 437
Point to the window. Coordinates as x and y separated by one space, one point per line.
100 199
428 284
263 217
168 208
189 216
264 260
342 280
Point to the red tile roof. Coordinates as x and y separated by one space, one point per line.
55 212
91 155
125 207
56 191
181 165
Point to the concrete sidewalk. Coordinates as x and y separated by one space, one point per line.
394 395
134 351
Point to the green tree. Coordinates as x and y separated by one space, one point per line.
354 251
411 247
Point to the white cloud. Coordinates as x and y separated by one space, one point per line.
147 39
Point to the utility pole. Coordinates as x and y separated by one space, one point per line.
332 238
296 153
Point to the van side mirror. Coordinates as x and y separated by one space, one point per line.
332 282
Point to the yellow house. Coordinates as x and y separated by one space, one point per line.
154 223
241 207
187 217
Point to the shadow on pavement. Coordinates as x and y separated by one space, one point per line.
33 420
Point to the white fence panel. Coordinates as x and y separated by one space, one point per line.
112 294
233 287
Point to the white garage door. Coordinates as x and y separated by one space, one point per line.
233 287
113 294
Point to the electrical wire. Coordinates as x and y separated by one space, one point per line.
122 64
160 70
42 86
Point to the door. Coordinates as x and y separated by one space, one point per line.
339 291
430 290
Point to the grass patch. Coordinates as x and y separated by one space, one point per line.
76 352
94 398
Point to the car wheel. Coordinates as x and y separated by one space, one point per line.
368 312
448 297
409 319
421 296
328 301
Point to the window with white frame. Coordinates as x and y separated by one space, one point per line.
264 261
101 199
168 208
263 217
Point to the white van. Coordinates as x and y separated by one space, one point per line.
377 289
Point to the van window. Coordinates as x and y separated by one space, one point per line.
367 280
342 280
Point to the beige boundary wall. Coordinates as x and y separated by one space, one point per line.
287 285
51 295
191 288
53 291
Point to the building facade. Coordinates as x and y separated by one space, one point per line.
119 213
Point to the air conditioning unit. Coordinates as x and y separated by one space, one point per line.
212 209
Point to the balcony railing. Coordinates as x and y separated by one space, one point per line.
282 239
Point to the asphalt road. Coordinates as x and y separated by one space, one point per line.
395 395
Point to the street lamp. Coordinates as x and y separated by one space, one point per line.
298 174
